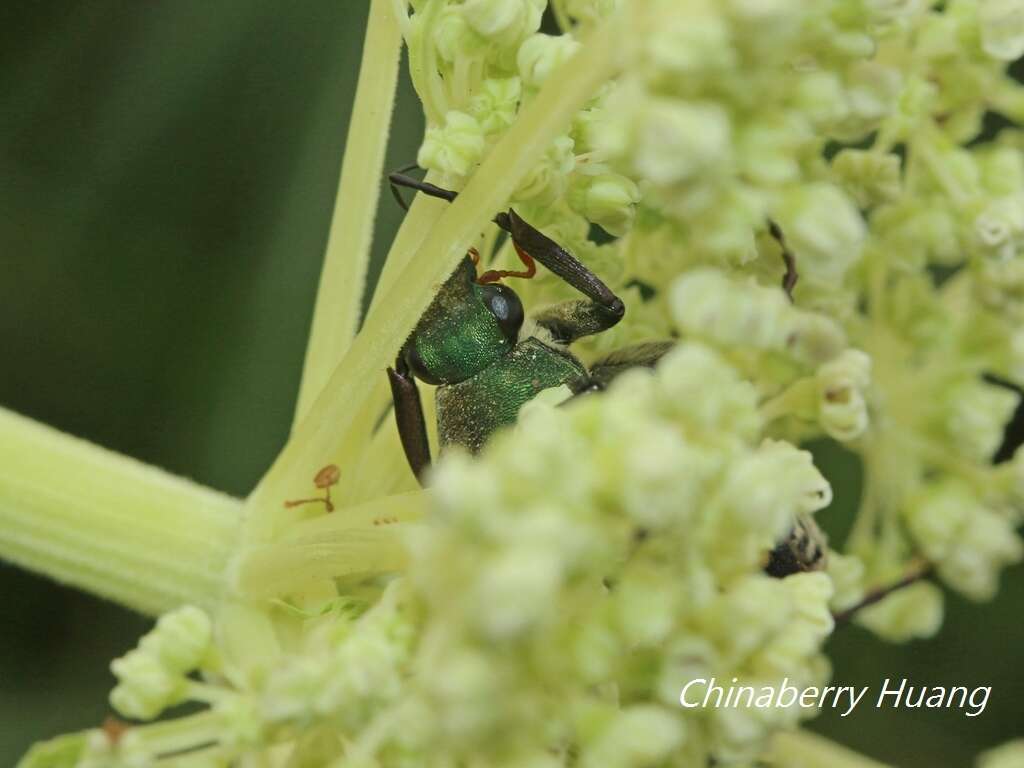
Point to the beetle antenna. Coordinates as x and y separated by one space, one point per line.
399 179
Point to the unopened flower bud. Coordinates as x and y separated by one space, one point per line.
841 384
542 54
454 148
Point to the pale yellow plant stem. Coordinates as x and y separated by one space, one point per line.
335 429
361 539
343 279
108 524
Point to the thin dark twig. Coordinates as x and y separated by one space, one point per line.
920 572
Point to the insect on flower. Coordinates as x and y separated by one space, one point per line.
487 359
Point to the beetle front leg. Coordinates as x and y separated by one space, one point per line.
568 321
412 428
562 263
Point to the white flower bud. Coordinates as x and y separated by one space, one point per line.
842 382
454 148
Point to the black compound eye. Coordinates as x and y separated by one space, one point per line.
506 308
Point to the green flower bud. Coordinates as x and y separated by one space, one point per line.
454 38
515 591
682 47
547 180
668 142
968 542
871 93
999 228
696 387
494 106
180 640
1008 755
824 228
976 414
706 303
1002 28
503 22
821 97
607 199
893 11
455 148
639 735
146 687
766 151
541 55
589 11
907 614
847 574
870 177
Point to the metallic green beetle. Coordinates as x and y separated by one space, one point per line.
470 343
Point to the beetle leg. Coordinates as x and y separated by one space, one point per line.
493 275
412 429
562 263
531 243
791 276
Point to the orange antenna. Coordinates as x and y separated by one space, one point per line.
325 479
494 275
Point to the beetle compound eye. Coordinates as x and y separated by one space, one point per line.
504 304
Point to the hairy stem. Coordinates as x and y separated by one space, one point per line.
343 279
108 524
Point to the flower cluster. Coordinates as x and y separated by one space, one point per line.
588 563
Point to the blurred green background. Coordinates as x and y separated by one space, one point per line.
167 172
